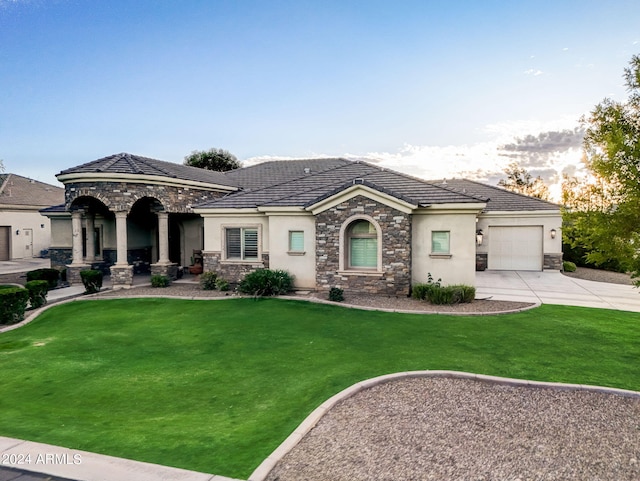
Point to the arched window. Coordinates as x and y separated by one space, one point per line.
362 245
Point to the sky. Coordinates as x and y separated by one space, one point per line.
435 89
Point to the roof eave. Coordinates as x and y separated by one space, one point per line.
142 179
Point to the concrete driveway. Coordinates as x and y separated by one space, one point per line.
555 288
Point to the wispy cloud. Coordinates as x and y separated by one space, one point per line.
547 153
533 72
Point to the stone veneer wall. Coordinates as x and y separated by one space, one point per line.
60 257
552 262
120 196
481 261
231 271
395 278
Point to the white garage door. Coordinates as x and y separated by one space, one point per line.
515 248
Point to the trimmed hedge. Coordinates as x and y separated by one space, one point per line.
266 282
13 303
336 294
568 266
52 276
92 280
37 293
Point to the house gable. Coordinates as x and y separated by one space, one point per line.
364 191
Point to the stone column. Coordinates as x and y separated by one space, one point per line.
121 239
163 238
121 271
76 240
91 237
77 261
164 266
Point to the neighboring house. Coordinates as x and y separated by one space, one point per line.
24 232
329 222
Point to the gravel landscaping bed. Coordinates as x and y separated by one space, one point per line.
193 290
458 429
600 276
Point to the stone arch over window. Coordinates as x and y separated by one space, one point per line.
361 244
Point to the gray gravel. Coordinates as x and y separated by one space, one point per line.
458 429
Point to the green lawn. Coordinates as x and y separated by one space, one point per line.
215 386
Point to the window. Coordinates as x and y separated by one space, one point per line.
241 243
362 239
440 242
296 241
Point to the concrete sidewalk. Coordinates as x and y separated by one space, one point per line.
555 288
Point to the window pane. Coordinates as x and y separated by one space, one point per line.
364 252
234 247
296 241
440 242
362 227
250 244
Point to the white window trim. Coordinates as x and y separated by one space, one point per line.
343 265
223 243
292 252
440 255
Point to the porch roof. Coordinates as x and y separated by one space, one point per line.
129 164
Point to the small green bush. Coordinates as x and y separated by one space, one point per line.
336 294
159 280
436 293
48 274
37 293
208 280
222 284
568 266
266 282
92 280
13 303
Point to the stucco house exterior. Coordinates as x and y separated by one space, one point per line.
329 222
24 232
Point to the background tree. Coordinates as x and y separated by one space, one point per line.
213 159
521 181
609 231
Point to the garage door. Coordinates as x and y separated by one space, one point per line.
515 248
5 231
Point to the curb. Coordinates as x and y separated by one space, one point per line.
263 470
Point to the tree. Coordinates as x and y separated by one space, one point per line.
609 232
213 159
521 181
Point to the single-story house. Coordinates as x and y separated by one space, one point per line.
329 222
24 232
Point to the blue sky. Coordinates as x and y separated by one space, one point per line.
432 88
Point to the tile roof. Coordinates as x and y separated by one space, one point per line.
499 199
22 191
125 163
287 184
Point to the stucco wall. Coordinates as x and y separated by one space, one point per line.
21 220
459 267
301 266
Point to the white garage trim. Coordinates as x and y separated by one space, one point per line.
515 248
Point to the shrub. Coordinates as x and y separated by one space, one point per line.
208 280
159 280
222 284
266 282
13 303
49 274
92 280
37 293
568 266
336 294
436 293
